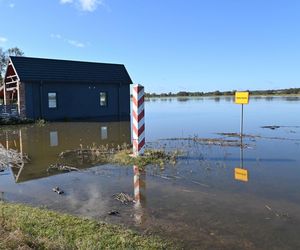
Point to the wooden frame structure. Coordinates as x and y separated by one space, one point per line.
11 84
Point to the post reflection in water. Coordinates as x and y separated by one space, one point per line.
43 144
139 186
240 173
2 196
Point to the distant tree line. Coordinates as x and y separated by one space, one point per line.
226 93
4 57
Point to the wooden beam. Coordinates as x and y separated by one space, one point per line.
11 89
7 83
19 107
12 76
4 92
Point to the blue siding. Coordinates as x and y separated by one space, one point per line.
77 101
125 100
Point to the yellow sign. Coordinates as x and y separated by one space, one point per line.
241 174
241 97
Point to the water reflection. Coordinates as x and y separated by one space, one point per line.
241 173
53 139
2 196
139 186
43 144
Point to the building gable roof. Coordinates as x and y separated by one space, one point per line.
40 69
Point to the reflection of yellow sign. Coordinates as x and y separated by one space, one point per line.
241 97
241 174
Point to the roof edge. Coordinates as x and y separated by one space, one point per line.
64 60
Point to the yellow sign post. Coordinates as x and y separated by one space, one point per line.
242 98
241 174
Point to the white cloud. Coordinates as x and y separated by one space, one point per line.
11 5
66 1
3 39
90 5
84 5
72 42
57 36
76 43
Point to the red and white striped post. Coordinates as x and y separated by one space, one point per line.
138 120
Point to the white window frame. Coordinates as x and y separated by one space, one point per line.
52 100
103 103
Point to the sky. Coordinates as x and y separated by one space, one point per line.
166 45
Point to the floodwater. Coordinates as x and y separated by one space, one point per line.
200 202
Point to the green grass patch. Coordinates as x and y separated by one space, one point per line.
25 227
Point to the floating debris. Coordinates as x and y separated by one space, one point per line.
58 190
114 212
123 197
201 184
279 126
10 157
163 177
277 214
61 167
273 127
267 207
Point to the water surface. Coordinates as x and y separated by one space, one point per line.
198 202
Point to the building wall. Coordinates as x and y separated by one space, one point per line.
77 101
22 100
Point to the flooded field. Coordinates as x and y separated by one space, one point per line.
202 201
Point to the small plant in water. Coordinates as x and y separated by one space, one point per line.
40 122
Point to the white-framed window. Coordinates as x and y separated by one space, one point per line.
52 102
103 99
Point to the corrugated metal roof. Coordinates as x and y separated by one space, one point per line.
40 69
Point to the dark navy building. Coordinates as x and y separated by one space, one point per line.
67 90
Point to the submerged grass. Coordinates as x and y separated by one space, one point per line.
211 141
151 156
24 227
121 155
